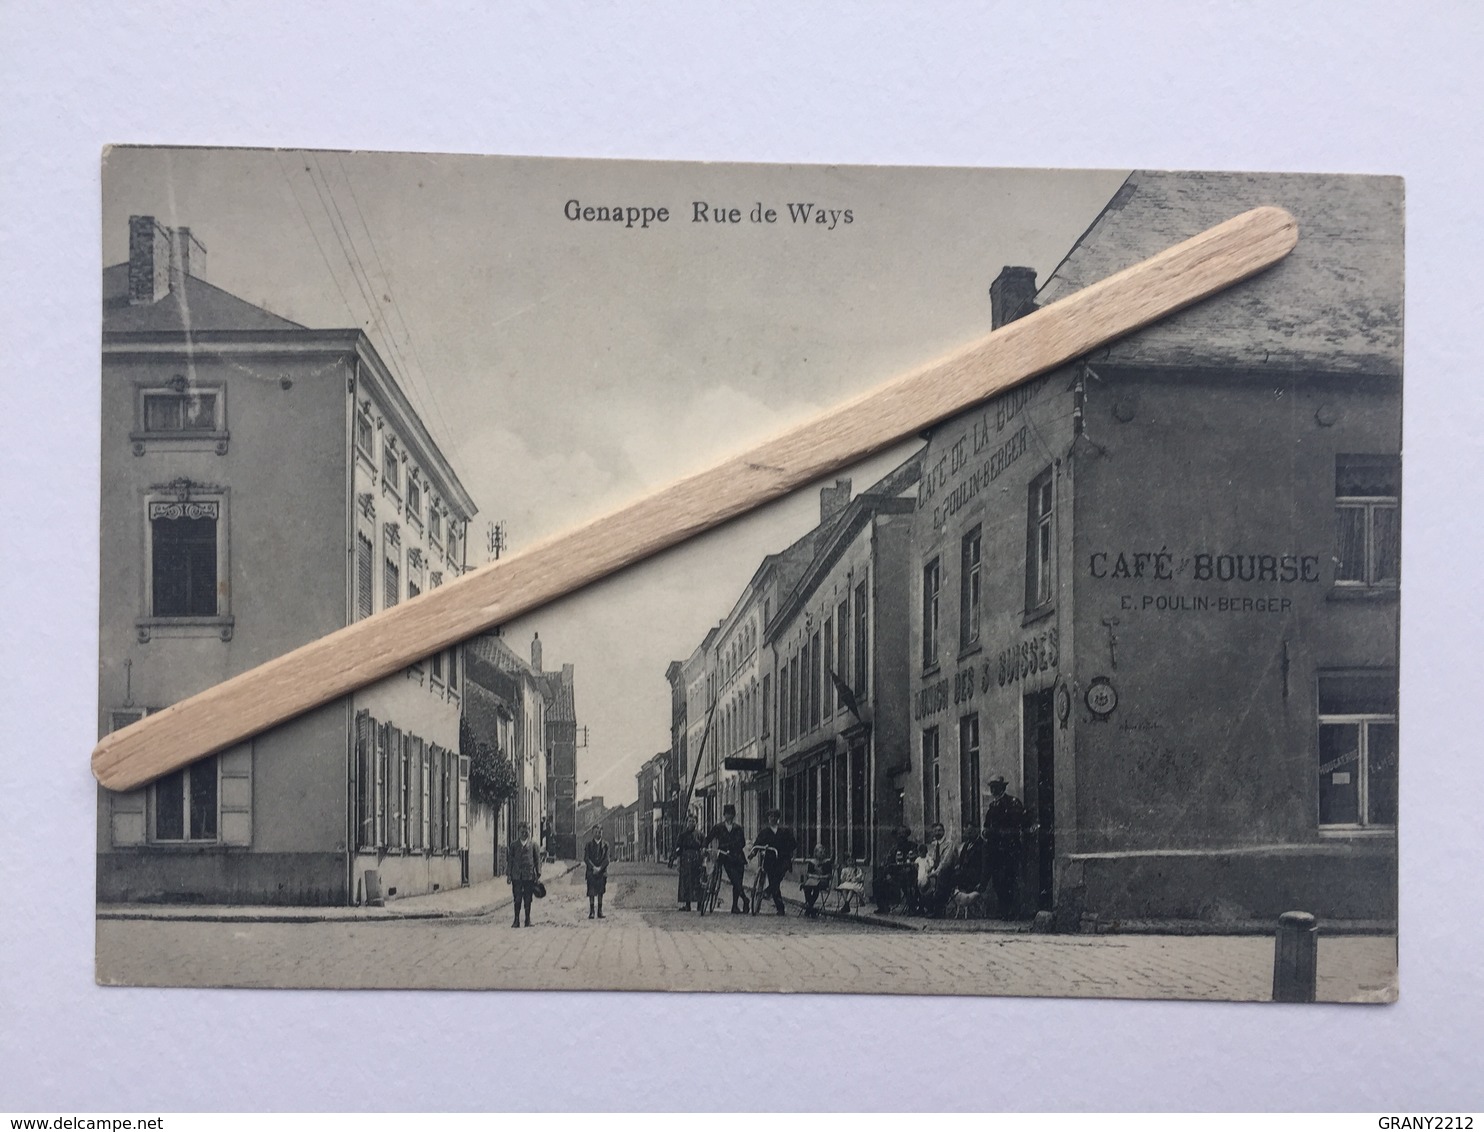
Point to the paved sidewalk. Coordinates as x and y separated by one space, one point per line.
867 914
480 899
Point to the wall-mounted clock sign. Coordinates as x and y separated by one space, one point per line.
1102 698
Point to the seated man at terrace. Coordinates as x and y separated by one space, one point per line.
971 867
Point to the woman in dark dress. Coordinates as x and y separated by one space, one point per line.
688 848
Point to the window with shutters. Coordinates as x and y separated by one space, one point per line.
862 647
185 803
391 582
365 781
435 798
404 791
365 560
1367 521
383 745
394 788
425 780
415 794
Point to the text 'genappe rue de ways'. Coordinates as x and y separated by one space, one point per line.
643 216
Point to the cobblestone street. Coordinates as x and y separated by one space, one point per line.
646 943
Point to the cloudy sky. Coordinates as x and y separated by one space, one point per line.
566 366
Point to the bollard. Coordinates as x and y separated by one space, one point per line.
373 889
1295 957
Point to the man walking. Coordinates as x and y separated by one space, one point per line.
1004 832
595 861
525 871
775 847
728 837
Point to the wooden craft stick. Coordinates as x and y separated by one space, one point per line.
378 646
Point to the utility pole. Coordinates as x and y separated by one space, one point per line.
496 540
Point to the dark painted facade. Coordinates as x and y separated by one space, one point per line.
1157 590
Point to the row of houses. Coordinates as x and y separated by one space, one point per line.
264 484
1156 590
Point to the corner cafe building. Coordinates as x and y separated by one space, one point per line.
1157 590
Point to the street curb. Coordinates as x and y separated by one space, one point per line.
353 915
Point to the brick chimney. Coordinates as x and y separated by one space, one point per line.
536 652
149 261
1012 295
159 259
833 500
187 257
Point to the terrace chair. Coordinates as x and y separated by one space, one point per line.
848 891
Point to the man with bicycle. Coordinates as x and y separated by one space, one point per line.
776 847
731 844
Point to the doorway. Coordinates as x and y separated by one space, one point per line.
1039 776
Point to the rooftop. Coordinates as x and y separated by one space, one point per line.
1334 304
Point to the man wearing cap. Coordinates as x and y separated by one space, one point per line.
728 837
1004 830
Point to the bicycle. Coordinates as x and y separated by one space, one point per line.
710 882
760 879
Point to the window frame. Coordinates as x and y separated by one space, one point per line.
391 470
363 417
931 611
970 768
1362 721
187 774
1368 505
971 588
182 439
184 492
1040 541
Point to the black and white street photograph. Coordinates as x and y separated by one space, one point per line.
1090 690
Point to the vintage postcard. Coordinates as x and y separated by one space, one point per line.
1090 690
